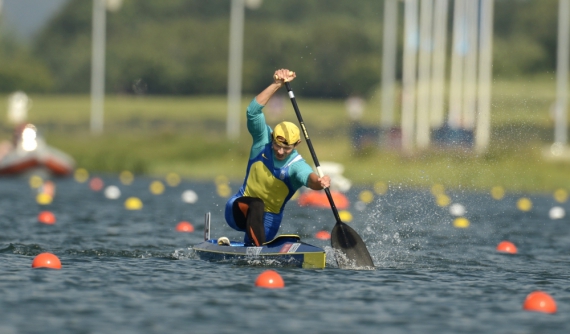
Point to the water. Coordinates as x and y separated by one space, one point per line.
130 272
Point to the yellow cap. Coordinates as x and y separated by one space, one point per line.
287 130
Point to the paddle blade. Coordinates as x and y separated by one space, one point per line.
350 250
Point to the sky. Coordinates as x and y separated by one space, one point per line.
24 18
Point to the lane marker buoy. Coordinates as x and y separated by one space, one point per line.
323 235
524 204
270 279
497 192
35 182
48 188
380 188
457 209
156 187
112 192
366 196
437 189
442 200
345 216
126 177
81 175
173 179
46 217
507 247
43 199
224 190
96 184
539 301
189 196
556 213
461 222
560 195
46 260
133 203
185 227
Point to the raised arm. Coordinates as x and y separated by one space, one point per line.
279 78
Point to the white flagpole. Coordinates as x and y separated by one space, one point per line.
470 67
237 15
560 129
483 129
409 73
456 76
438 64
424 74
389 51
98 67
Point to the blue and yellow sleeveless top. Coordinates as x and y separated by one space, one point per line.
272 185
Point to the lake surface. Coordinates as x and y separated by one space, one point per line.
129 271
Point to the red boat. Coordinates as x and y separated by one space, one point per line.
30 153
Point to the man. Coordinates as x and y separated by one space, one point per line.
275 171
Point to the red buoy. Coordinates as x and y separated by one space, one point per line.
270 279
185 227
539 301
323 235
46 217
319 199
507 247
96 184
46 260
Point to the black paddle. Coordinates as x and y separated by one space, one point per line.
349 248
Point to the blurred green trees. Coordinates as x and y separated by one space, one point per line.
181 46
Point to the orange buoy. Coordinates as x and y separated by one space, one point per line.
319 199
507 247
96 184
48 188
270 279
46 217
184 227
323 235
539 301
46 260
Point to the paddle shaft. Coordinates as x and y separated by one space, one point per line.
310 145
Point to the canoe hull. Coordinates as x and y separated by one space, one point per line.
283 251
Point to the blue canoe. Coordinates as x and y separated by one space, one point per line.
283 251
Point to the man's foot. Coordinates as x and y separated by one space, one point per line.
223 241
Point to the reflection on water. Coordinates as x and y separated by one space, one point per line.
130 271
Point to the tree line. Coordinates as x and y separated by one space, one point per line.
181 47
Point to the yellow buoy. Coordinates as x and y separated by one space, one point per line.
156 187
126 177
44 199
221 179
224 190
172 179
524 204
561 195
35 181
81 175
133 203
461 222
366 196
380 188
345 216
442 200
497 192
437 189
